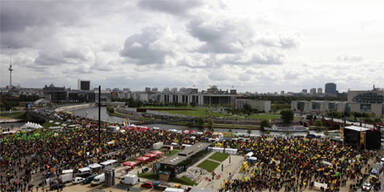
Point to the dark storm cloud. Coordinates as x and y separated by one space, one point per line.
52 58
25 23
143 48
174 7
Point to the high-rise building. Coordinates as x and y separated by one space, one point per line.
330 89
147 89
84 85
305 91
313 91
319 91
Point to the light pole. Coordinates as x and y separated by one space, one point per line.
99 116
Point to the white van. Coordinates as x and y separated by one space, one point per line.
129 179
66 176
98 180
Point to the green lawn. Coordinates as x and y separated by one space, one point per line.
264 116
184 180
13 115
170 153
208 165
149 175
219 156
194 112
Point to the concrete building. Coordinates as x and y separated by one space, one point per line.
105 96
319 91
370 101
304 91
318 106
84 85
259 105
55 94
312 91
330 89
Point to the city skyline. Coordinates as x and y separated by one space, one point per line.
256 46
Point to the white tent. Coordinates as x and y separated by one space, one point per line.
67 171
94 166
84 169
250 154
108 162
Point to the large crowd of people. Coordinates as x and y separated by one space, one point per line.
296 163
44 151
283 163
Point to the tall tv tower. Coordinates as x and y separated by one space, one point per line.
10 72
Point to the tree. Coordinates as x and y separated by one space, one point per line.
264 124
200 122
210 125
287 116
318 123
247 108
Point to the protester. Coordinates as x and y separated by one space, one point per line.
295 163
47 152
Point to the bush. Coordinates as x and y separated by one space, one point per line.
263 124
287 116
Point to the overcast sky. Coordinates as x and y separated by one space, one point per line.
253 45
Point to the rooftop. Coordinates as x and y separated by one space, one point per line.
185 154
357 128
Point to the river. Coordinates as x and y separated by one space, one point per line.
93 113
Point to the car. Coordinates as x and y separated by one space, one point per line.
147 185
77 180
55 186
89 179
366 186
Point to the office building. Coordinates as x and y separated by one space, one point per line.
370 101
259 105
84 85
330 89
55 94
312 91
319 91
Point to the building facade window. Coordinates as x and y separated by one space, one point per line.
365 107
332 106
369 98
316 106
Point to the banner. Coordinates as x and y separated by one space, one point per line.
342 133
362 138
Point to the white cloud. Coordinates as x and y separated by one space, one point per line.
254 45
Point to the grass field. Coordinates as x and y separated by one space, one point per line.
208 165
203 111
171 152
14 115
264 116
219 156
184 180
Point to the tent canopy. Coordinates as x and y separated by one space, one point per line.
142 159
94 166
130 163
158 153
150 155
84 169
